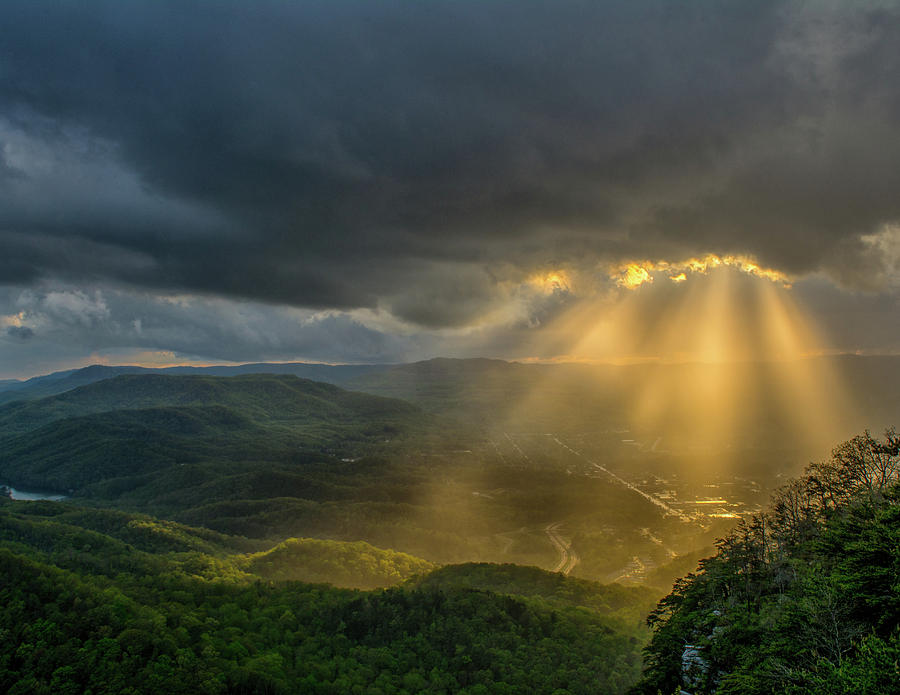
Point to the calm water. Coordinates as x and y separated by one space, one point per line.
17 494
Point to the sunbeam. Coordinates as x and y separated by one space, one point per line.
720 360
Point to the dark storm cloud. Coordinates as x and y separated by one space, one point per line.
48 326
20 332
362 154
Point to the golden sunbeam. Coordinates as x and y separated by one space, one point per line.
812 397
708 402
655 399
603 332
729 359
695 401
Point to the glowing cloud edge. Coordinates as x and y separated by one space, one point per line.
633 274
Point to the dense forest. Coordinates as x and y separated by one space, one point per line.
103 602
802 599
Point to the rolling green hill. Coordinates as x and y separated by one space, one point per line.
275 398
108 603
345 564
173 442
124 541
73 453
630 603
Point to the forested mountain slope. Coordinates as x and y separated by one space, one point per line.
278 397
130 427
802 599
630 603
110 603
351 564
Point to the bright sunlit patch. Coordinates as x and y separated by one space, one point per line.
13 320
552 282
634 274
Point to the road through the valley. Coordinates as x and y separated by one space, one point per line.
621 481
567 558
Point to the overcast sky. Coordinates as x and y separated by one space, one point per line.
383 181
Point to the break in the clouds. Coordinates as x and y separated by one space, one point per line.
421 160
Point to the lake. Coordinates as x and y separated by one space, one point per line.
32 495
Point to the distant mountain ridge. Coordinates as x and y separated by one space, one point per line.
59 382
438 382
659 400
278 396
137 424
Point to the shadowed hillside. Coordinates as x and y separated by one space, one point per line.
109 602
277 398
59 382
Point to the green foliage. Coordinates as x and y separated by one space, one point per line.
631 603
257 396
113 437
873 668
803 599
347 564
86 611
